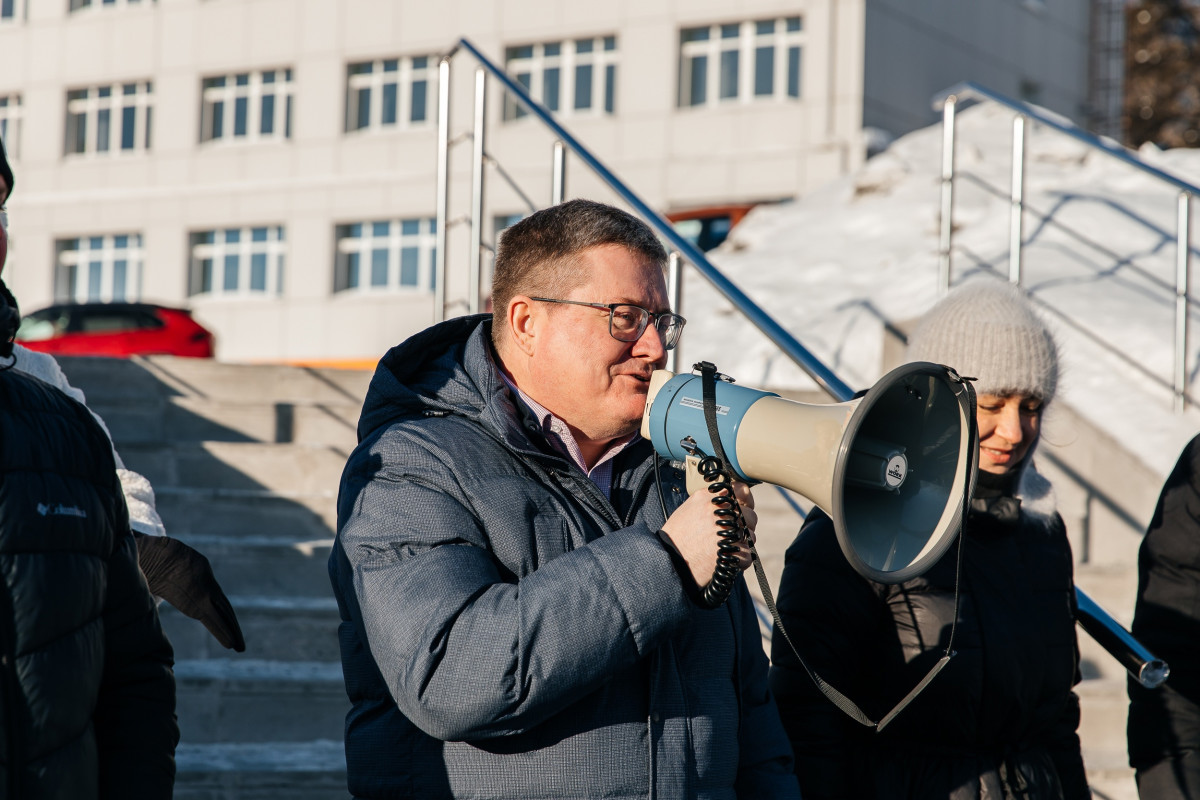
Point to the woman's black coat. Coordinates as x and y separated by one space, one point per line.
1001 717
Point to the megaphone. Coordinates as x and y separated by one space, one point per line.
891 469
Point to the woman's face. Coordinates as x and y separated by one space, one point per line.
1008 427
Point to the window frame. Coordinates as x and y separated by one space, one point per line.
11 115
76 286
713 44
219 249
532 71
407 75
357 280
78 6
17 11
93 104
229 93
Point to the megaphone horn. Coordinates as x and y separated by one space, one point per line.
891 468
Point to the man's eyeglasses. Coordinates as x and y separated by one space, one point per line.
627 322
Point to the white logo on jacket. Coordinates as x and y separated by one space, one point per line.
59 510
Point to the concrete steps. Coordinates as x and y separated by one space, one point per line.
285 470
242 699
233 513
245 463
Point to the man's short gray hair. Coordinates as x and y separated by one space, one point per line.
540 254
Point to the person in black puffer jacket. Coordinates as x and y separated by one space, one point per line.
175 571
1164 723
999 721
87 693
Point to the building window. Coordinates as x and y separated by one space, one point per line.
99 268
244 262
10 124
77 5
390 93
8 11
572 77
502 222
247 106
109 119
386 255
740 62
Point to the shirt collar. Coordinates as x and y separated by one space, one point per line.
559 435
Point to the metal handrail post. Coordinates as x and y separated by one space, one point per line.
946 210
443 190
558 177
1182 268
675 292
474 276
1017 201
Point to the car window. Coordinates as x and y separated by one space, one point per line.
42 325
100 320
36 330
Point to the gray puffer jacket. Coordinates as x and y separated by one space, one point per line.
508 632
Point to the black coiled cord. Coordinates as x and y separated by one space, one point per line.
731 530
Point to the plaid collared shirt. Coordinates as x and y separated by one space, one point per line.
561 439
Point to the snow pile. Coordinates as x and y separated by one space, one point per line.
838 266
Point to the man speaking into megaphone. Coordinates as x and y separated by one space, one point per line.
518 596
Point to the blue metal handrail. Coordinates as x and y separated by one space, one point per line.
791 347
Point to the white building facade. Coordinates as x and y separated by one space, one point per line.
272 164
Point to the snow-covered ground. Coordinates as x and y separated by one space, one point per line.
838 265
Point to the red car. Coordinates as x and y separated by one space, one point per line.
115 329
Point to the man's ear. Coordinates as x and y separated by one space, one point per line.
522 324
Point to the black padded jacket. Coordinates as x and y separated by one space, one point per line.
998 722
1164 723
87 693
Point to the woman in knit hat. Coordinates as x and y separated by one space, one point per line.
999 721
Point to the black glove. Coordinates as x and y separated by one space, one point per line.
184 578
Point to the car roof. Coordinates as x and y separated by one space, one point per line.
109 307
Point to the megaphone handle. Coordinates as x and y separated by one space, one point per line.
731 530
714 470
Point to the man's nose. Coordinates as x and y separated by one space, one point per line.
650 344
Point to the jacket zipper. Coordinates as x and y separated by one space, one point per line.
604 506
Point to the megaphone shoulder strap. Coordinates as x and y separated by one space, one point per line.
718 590
848 706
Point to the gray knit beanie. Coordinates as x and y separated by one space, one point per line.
988 330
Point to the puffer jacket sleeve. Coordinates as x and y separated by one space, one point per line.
467 649
1164 723
136 730
1066 753
830 614
765 769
